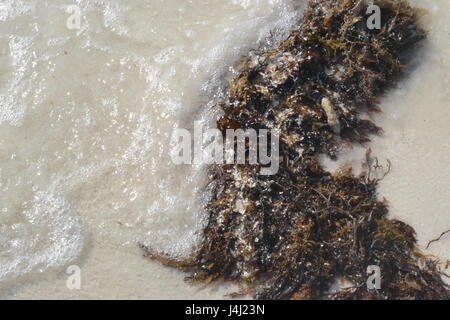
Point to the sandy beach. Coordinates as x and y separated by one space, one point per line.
85 122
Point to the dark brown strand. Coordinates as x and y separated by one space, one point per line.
438 238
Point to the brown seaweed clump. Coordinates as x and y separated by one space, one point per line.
295 233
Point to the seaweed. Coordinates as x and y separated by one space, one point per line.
298 231
437 239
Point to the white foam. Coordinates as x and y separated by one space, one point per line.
43 235
86 118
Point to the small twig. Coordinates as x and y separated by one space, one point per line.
437 239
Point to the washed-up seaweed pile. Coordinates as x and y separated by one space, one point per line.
293 234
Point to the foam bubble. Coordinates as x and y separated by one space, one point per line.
44 234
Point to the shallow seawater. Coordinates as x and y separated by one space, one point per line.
86 117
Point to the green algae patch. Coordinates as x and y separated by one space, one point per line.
298 231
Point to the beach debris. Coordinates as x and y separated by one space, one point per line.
332 117
293 234
437 239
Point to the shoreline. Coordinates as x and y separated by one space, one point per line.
142 279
